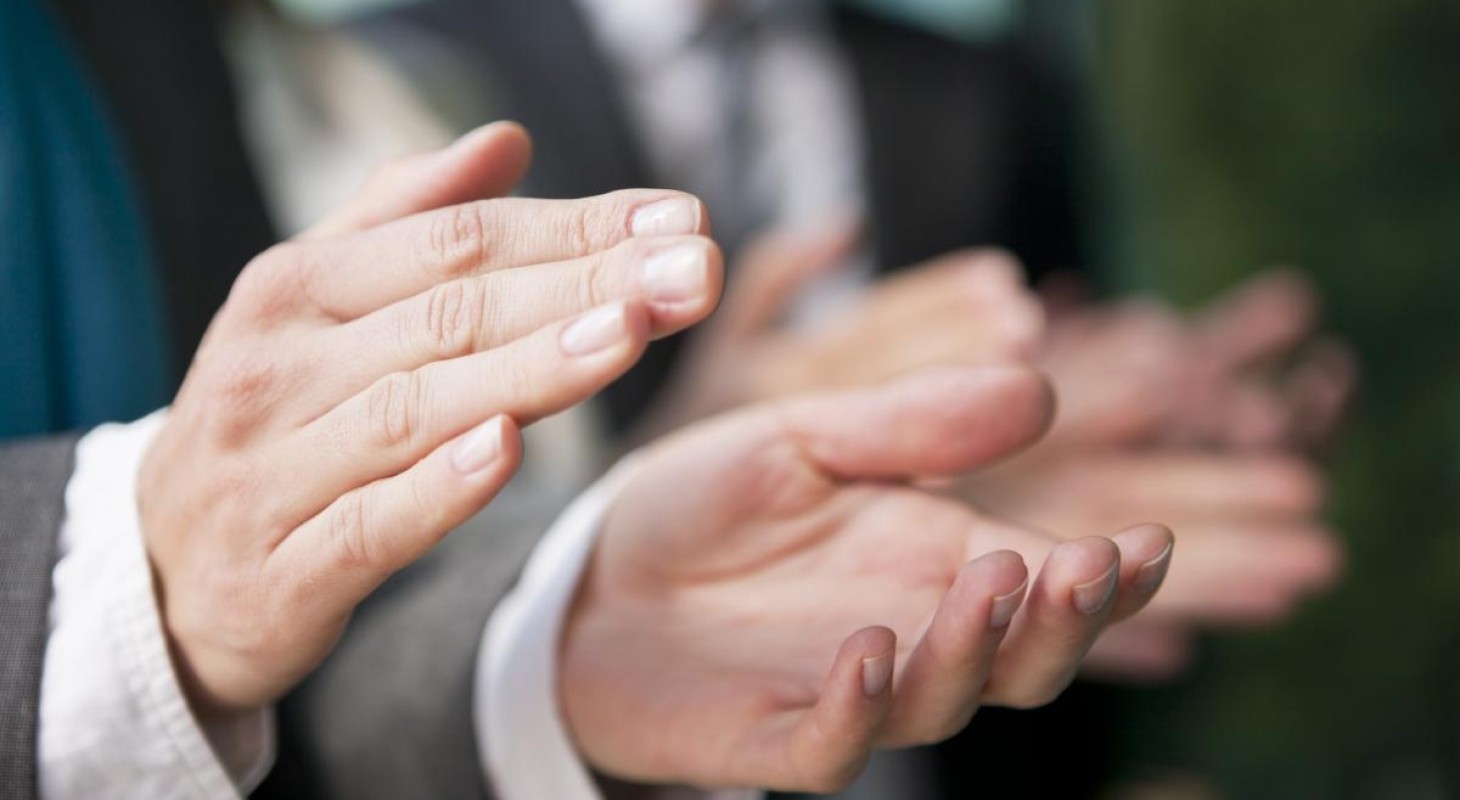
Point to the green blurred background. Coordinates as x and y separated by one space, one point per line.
1248 133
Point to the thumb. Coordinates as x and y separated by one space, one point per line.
936 422
772 272
485 163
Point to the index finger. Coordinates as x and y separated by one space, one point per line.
350 276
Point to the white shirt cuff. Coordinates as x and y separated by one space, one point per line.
113 718
523 741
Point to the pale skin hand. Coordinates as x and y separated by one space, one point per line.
771 599
968 307
1184 422
360 394
1252 542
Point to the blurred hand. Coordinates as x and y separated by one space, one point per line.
1252 541
1249 371
360 393
1193 423
968 307
793 602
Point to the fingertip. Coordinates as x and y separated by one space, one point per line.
1145 553
1142 543
871 642
875 650
1008 406
511 442
1000 573
637 321
1003 578
1086 572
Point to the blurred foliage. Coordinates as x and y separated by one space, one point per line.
1326 135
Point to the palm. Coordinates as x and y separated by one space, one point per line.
735 590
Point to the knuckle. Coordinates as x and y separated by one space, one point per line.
593 224
599 282
270 283
245 383
453 314
392 409
458 239
349 533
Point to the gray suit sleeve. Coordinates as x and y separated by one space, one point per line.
33 477
389 714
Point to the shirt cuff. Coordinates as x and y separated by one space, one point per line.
113 718
522 739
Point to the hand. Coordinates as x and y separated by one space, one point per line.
1246 372
964 308
1258 376
360 393
769 599
1186 421
1252 542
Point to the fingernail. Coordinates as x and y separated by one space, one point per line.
597 330
675 216
1001 612
676 274
1153 572
1092 598
478 449
876 674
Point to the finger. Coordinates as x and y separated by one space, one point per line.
401 417
1160 484
348 277
676 278
1145 558
774 270
487 162
829 745
1255 416
985 287
939 422
1246 573
347 550
942 682
1264 318
1069 604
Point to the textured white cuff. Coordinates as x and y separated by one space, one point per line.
113 718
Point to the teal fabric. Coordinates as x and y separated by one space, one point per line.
82 339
